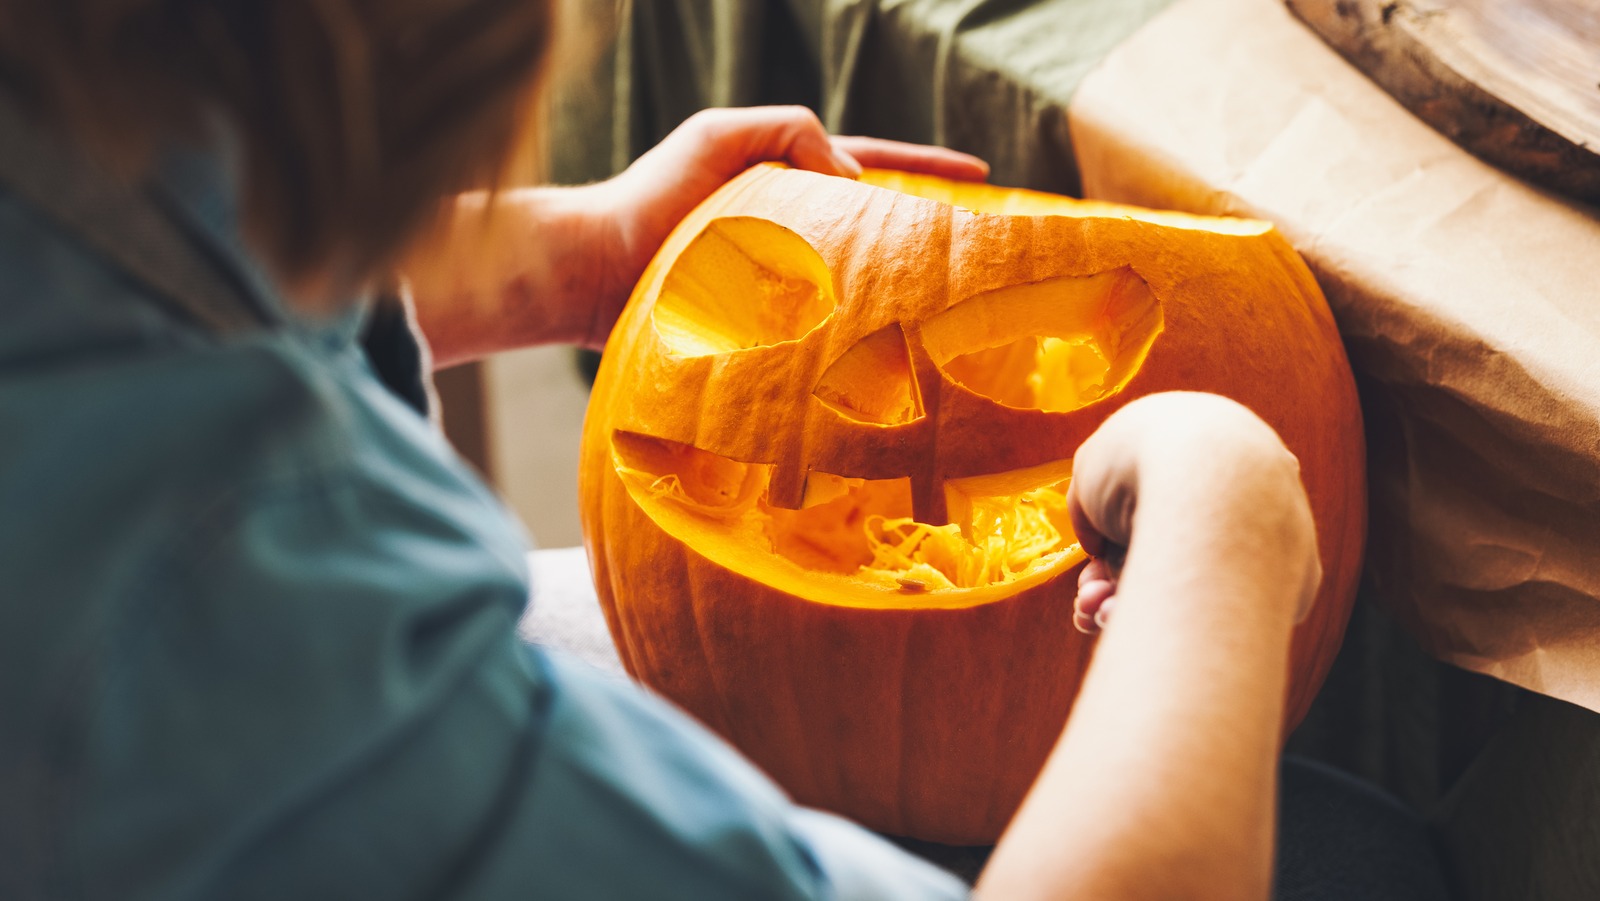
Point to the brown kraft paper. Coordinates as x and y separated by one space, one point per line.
1469 303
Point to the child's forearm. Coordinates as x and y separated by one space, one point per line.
1163 785
529 271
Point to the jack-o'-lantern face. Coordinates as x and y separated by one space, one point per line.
826 461
837 466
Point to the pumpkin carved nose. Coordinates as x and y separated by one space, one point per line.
1054 346
873 381
888 379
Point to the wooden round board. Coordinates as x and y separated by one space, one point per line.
1516 82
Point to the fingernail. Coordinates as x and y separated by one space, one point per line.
1103 615
848 166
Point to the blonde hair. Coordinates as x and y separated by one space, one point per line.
356 117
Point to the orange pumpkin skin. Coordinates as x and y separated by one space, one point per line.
917 710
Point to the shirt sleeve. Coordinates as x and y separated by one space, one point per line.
632 799
321 694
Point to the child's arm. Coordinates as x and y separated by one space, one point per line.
556 265
1164 782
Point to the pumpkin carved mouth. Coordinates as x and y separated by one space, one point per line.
1005 528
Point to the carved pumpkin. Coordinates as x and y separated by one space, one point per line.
825 457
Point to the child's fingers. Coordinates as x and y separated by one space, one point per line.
1096 570
882 154
1092 597
1102 617
1085 624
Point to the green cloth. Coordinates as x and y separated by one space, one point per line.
990 77
1509 779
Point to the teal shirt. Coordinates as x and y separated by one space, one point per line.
257 638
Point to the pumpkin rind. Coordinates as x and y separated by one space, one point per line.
925 712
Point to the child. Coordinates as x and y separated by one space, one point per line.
257 636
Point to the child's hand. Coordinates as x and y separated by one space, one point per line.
558 264
1195 471
711 147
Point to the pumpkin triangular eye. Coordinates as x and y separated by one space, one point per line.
873 381
1055 345
742 282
